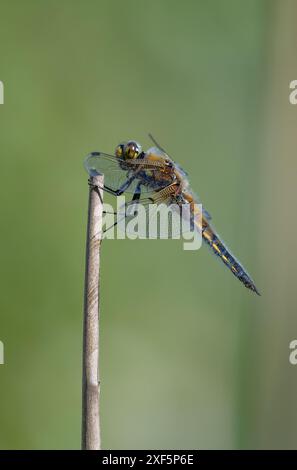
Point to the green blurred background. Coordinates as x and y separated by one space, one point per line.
189 357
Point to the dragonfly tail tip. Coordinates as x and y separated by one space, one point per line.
254 289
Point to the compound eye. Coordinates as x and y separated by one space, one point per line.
132 149
119 150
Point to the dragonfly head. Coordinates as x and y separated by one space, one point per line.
128 150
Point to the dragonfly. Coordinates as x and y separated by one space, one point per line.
153 177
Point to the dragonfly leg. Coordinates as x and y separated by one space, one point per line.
136 197
125 186
117 192
137 193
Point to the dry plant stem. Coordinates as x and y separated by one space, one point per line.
90 376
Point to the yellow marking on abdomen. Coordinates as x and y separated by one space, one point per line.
207 235
215 247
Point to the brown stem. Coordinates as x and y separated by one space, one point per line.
90 375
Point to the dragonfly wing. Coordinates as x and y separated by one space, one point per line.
153 217
158 150
117 173
206 214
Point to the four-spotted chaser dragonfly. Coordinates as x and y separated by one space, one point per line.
154 178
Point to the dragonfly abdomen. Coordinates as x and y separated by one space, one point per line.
219 249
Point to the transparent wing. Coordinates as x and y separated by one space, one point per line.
206 214
131 176
161 149
156 217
